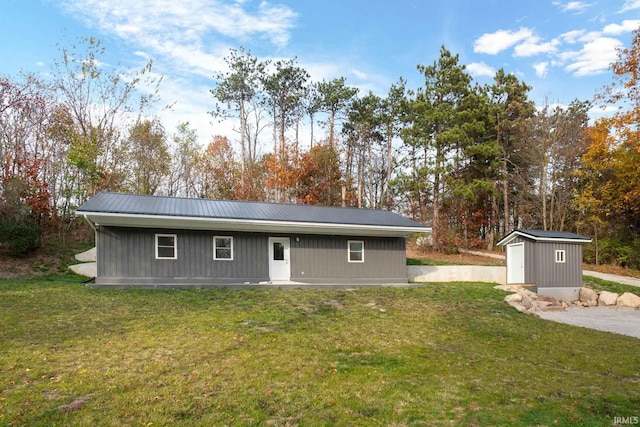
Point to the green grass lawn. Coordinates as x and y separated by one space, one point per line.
442 354
435 262
605 285
426 261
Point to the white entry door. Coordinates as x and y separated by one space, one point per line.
515 263
279 259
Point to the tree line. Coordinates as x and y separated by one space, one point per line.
474 161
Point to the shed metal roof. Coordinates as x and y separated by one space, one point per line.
545 236
177 212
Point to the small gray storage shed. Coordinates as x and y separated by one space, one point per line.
157 241
550 260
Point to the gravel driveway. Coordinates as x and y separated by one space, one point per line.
619 320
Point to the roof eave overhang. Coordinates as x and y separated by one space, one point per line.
256 226
509 238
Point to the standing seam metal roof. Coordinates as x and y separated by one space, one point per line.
206 208
544 235
553 234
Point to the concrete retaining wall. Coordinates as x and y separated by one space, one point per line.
561 294
457 273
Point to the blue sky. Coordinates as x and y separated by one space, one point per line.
561 48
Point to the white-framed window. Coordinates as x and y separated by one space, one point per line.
355 251
223 248
560 256
166 246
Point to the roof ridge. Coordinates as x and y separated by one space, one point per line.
242 201
544 235
137 205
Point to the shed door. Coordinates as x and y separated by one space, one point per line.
515 263
279 258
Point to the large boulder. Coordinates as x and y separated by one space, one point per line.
513 298
522 302
588 296
532 295
520 308
628 300
527 302
519 289
607 298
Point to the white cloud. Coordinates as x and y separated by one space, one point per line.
525 41
597 111
363 81
494 43
595 57
478 69
550 106
532 47
541 69
576 7
627 26
573 36
359 74
163 24
630 5
191 103
191 34
188 41
142 54
94 63
590 36
319 71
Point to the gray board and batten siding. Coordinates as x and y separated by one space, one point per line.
126 227
541 268
126 256
317 258
550 260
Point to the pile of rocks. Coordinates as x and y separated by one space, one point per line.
592 298
526 301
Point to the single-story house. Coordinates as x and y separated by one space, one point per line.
169 241
550 260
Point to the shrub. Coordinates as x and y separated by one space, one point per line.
634 257
615 252
21 237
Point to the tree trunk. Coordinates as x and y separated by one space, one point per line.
282 140
493 218
281 158
543 195
243 128
332 120
387 193
595 229
505 196
436 201
311 123
275 155
297 135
